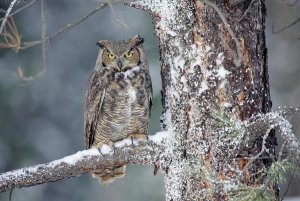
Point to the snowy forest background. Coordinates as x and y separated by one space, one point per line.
43 121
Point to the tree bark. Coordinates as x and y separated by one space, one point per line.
205 69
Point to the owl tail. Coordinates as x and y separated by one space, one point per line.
108 175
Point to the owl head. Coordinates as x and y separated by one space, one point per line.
122 55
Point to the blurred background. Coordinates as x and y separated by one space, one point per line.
43 120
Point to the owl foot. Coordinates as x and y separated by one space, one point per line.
105 147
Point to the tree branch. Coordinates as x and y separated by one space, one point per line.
153 7
285 27
18 10
260 123
63 29
86 161
238 56
7 14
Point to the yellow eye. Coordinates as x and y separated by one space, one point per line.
111 55
129 54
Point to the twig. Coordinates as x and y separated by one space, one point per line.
290 182
63 29
263 149
11 36
259 123
43 37
288 111
116 18
10 194
7 14
288 3
45 40
19 10
238 59
284 28
246 10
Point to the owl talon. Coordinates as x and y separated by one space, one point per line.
99 150
105 147
114 148
132 143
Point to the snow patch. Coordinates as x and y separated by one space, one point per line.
178 61
226 104
73 159
203 87
207 49
159 136
105 149
183 80
222 72
220 58
125 142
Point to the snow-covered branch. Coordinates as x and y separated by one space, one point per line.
124 152
278 121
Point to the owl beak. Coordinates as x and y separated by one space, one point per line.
119 63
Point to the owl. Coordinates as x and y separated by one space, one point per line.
118 99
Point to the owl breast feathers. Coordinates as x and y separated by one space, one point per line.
118 98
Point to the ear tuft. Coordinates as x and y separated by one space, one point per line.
139 39
100 44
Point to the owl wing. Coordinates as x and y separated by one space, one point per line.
95 93
150 91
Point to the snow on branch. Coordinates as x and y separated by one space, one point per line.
156 8
277 120
145 5
135 152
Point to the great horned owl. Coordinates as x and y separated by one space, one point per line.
118 98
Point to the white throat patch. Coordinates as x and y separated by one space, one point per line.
132 94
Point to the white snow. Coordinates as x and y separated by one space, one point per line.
220 58
183 80
203 87
73 159
178 61
105 149
207 49
18 173
222 72
125 142
159 136
226 104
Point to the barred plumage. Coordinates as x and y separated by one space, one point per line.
118 98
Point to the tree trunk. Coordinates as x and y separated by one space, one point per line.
206 73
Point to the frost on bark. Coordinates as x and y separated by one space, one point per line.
202 79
